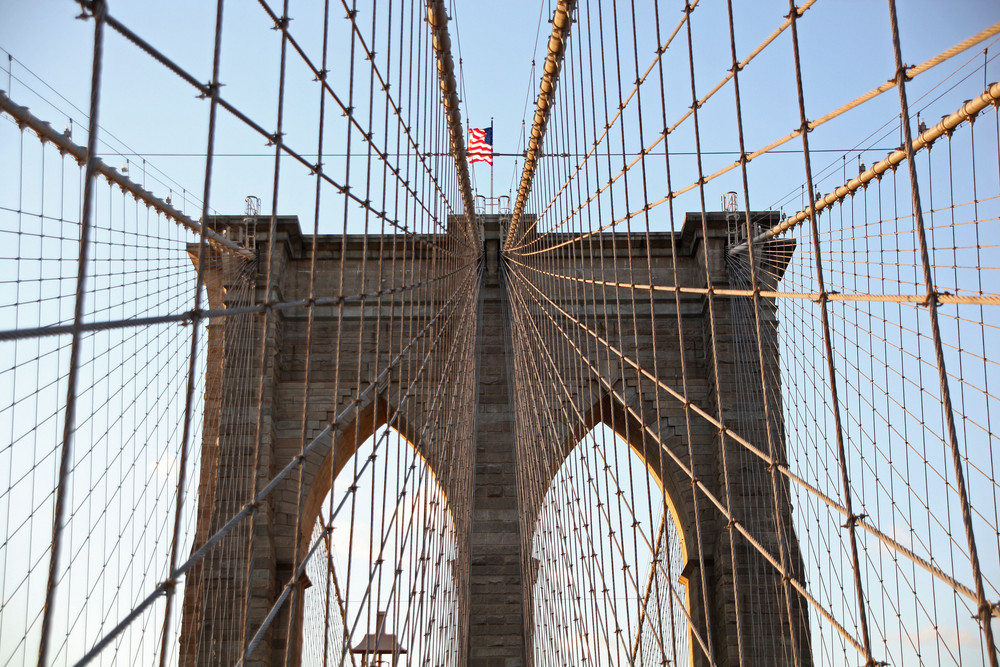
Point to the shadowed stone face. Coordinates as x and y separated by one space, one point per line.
475 452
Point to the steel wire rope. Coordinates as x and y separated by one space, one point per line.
348 110
890 124
713 336
82 154
662 535
522 143
74 361
239 115
103 130
630 272
193 317
538 427
778 493
289 586
596 450
754 154
782 467
985 610
419 482
190 393
321 125
807 486
799 586
621 399
201 551
618 114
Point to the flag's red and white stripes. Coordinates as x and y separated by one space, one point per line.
481 144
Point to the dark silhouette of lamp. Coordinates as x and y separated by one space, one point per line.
374 644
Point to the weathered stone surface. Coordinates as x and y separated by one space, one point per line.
353 343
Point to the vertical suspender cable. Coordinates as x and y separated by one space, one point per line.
98 10
438 21
985 610
193 355
562 20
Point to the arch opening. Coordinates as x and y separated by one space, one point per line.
381 582
609 553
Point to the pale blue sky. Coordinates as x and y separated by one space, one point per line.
845 46
846 52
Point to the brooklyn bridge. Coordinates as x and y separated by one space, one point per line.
686 364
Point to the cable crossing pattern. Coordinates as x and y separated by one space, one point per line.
617 424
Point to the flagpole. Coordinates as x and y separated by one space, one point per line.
492 203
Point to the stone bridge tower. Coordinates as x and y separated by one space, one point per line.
497 526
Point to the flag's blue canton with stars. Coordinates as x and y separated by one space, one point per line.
481 144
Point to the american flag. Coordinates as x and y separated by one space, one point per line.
481 144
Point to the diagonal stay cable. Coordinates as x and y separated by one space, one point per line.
45 132
333 425
193 316
942 297
798 585
205 90
781 466
551 366
972 41
687 114
287 588
562 21
368 137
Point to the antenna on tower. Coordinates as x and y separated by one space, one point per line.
250 212
730 202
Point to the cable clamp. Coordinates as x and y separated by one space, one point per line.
853 519
211 88
795 13
991 609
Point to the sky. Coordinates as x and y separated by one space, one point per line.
158 118
154 124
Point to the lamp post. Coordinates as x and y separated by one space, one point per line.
378 643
